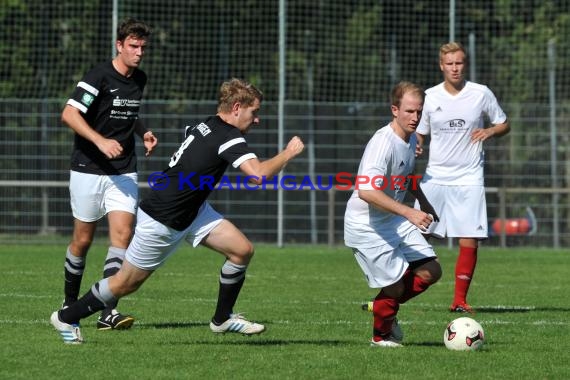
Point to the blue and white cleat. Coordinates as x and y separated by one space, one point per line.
237 324
71 334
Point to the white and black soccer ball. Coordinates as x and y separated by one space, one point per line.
464 334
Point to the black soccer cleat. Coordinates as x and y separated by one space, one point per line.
114 321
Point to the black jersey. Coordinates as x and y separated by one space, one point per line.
194 169
110 104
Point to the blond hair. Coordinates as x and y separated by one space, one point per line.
237 91
451 47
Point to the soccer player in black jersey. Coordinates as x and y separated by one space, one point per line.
103 113
180 211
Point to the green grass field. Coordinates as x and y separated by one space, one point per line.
309 298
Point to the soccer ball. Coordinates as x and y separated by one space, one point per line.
464 334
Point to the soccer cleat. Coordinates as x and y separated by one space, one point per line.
71 334
389 342
237 324
367 306
461 308
397 334
114 321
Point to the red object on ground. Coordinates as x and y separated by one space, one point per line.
518 226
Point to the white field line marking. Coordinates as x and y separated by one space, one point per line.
291 302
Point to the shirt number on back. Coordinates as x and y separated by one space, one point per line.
176 156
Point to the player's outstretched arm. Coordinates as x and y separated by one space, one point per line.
268 168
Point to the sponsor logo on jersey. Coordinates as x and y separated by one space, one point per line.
87 99
456 123
203 129
118 102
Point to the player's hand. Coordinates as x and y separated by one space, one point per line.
428 208
421 219
110 148
419 150
295 146
150 141
481 134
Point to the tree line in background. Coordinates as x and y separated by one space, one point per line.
46 48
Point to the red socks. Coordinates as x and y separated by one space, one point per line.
385 310
464 269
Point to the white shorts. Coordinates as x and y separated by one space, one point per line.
154 242
462 211
386 264
93 196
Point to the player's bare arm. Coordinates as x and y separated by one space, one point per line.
149 139
497 130
381 201
72 117
268 168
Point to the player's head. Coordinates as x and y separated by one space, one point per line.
132 37
407 101
452 62
402 88
239 103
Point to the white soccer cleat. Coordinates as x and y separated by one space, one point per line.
390 343
237 324
71 334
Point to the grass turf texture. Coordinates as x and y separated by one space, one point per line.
309 298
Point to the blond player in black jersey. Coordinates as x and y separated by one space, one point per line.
178 211
103 114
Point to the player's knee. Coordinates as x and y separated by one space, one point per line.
430 271
242 253
121 237
247 250
434 272
80 245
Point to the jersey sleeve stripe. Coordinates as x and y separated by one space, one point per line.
243 158
76 104
87 87
230 143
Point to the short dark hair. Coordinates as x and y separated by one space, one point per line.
132 27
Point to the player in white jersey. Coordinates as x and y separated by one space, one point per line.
383 232
455 114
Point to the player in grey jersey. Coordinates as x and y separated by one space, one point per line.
169 216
